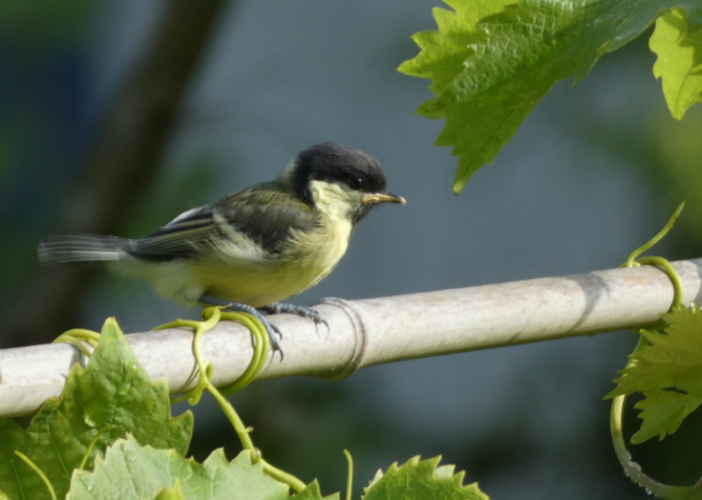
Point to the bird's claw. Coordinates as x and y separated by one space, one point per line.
271 329
305 312
273 308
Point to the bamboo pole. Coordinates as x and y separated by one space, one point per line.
381 330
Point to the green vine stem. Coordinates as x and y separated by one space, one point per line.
39 472
349 482
631 468
92 444
672 274
282 476
241 430
262 346
658 237
77 336
211 316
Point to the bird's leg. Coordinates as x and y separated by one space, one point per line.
305 312
236 307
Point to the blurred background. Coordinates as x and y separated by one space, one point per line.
115 116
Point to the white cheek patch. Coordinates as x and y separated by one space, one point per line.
336 200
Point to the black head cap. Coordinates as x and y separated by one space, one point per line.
333 162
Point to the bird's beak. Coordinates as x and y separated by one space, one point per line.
384 198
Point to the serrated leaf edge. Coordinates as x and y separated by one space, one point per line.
439 473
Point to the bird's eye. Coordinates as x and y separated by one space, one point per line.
356 183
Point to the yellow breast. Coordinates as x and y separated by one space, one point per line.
310 258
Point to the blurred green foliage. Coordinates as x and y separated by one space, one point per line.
44 27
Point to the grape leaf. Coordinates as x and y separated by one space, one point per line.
668 371
423 480
679 62
175 493
662 413
488 75
113 395
312 492
130 471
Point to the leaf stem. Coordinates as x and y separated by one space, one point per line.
262 346
633 469
672 274
668 226
211 316
38 471
349 482
282 476
241 430
77 336
92 444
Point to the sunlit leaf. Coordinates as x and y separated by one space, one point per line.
138 472
491 63
111 397
679 62
421 479
668 372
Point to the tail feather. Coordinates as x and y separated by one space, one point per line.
60 248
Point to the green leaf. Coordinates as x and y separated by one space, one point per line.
444 51
175 493
111 397
489 75
312 493
668 372
662 413
422 480
137 472
679 62
45 26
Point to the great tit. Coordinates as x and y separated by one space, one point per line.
254 247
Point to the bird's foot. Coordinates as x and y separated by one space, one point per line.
271 329
305 312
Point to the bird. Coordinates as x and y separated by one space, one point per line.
253 248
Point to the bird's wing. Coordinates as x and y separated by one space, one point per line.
267 216
262 215
180 238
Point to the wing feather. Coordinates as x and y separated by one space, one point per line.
265 215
